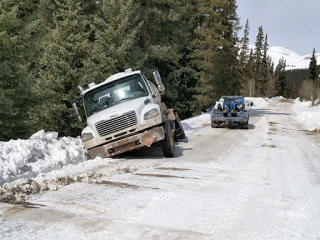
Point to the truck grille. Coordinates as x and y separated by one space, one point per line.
116 124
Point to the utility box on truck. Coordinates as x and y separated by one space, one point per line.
125 112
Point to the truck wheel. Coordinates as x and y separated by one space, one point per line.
167 144
179 131
243 125
214 125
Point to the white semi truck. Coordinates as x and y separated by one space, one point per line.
124 113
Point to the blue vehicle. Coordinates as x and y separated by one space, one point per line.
230 110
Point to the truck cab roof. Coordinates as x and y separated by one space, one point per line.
228 98
112 78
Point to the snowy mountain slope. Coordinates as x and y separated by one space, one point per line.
293 59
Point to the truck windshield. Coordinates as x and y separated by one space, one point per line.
113 93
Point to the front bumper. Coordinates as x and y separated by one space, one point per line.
220 119
128 144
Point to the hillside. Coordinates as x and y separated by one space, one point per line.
293 59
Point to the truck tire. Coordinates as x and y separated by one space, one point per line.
243 125
179 131
167 144
214 124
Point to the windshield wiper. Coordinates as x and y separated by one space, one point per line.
126 98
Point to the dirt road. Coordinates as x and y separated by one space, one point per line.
260 183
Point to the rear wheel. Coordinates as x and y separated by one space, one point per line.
214 124
167 144
243 125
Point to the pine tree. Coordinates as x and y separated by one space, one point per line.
16 32
258 62
159 33
249 74
289 88
281 79
243 60
165 45
313 75
66 49
297 76
265 69
116 27
180 91
244 50
228 69
270 87
205 44
313 69
215 53
182 78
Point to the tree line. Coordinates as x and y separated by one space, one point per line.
49 47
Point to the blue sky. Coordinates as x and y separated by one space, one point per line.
282 26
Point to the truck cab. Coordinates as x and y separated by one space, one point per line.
124 113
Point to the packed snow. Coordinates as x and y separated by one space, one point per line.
37 161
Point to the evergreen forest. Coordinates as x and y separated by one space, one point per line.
50 47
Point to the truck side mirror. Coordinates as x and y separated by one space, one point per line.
75 108
157 78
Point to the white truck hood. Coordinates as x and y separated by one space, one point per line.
138 105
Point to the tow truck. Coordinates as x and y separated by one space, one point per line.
230 110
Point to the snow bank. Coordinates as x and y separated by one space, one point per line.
261 102
42 153
193 123
307 115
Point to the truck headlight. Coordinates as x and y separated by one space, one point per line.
86 136
151 114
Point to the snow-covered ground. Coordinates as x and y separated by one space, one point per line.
265 185
45 156
308 115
